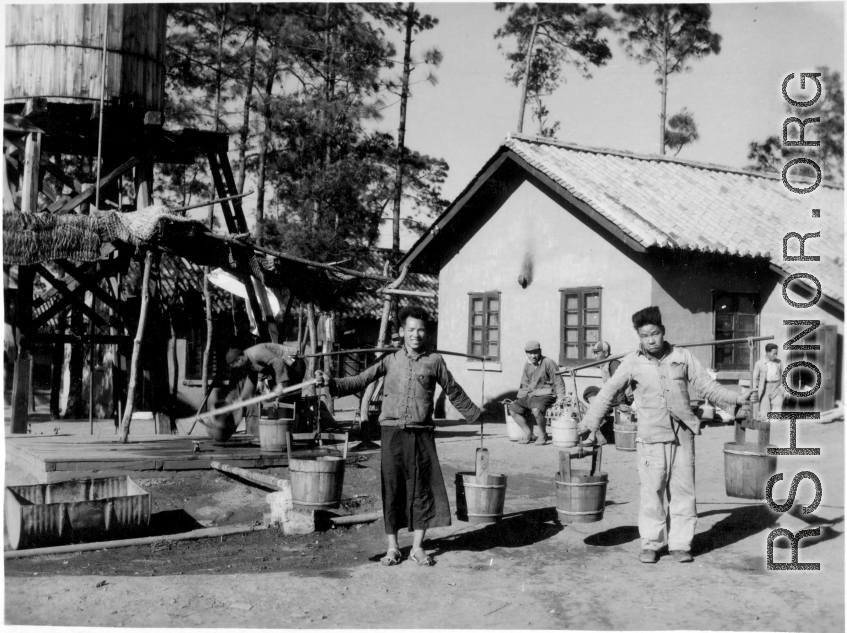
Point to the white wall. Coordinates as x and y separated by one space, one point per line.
564 253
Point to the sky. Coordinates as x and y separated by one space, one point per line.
735 96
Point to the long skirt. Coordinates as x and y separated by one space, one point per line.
413 492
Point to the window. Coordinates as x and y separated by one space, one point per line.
484 325
580 324
195 345
736 316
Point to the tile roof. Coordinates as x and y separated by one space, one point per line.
665 202
668 202
368 304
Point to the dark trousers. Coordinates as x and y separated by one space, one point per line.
413 492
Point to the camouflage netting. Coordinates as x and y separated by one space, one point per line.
41 237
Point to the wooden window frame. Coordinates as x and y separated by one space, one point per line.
757 305
486 297
580 291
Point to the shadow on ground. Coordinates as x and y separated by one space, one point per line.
516 529
170 522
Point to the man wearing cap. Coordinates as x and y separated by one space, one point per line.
536 393
282 365
603 350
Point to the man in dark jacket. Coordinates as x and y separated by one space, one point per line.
413 491
540 387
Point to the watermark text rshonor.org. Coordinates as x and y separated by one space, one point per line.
811 282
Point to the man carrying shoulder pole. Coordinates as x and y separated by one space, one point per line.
658 374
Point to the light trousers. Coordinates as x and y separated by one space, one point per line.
666 470
772 399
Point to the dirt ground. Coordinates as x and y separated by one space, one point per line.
526 572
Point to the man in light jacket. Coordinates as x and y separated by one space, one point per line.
767 381
659 374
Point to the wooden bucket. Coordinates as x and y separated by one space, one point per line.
625 435
273 435
747 468
316 481
480 502
512 429
562 426
581 494
221 427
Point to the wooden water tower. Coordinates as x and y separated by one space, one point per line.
62 61
59 69
55 52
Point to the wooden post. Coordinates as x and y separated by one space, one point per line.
22 384
143 177
32 163
91 349
56 369
329 336
383 329
754 406
136 349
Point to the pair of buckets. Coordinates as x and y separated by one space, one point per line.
560 421
316 480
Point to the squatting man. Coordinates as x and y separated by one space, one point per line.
535 394
658 374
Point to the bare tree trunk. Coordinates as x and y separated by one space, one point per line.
664 96
136 348
248 102
266 139
219 69
526 71
401 133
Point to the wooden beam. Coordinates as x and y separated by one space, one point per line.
72 284
275 483
66 300
22 384
32 163
214 167
62 288
8 196
85 338
240 221
88 194
49 166
143 184
79 276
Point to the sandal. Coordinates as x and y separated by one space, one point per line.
392 557
427 561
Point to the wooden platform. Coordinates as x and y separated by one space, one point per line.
52 458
